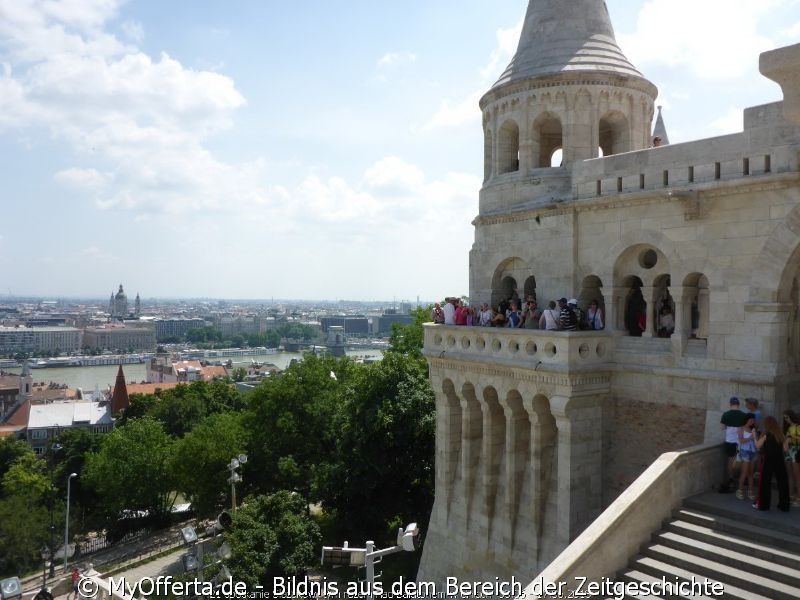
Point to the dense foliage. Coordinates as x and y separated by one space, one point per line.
272 536
355 440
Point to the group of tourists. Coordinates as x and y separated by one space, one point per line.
759 449
565 315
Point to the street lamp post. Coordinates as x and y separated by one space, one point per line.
235 476
66 523
53 449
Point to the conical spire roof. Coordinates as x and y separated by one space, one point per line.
119 398
660 130
559 36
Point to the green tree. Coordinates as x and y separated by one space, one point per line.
383 472
239 374
76 444
409 339
139 406
272 536
131 470
179 409
25 499
201 457
289 422
12 449
22 534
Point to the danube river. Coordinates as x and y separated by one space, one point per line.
87 378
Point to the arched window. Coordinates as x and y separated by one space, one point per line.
547 139
505 278
591 290
635 307
508 148
614 134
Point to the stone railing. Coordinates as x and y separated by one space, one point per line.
520 347
615 536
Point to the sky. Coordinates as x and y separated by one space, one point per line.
260 149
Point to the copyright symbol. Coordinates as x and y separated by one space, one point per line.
88 588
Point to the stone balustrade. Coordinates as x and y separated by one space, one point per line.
560 350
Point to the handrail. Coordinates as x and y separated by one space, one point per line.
607 545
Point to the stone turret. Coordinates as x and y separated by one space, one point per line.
569 87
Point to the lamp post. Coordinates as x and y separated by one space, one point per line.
50 457
45 562
235 476
66 523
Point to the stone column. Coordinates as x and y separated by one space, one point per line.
615 309
579 422
471 434
682 317
448 446
492 454
648 291
517 455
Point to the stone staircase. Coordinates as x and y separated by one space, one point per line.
753 554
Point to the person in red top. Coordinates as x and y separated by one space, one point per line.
75 577
461 313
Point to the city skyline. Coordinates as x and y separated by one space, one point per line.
259 150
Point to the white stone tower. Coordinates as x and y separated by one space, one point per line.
692 252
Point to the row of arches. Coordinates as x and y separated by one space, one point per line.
642 301
513 148
498 451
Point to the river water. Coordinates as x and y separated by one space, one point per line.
103 376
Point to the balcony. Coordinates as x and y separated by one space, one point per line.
526 348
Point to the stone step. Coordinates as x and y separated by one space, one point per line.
659 569
740 511
755 548
740 559
739 576
639 578
745 527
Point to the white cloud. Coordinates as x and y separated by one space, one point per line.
712 39
731 121
392 59
507 40
88 179
465 112
133 30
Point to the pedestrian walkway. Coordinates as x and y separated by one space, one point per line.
113 559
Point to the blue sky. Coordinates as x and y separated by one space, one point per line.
330 150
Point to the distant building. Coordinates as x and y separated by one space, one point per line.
118 306
161 369
176 328
240 325
14 389
47 421
352 325
383 324
39 339
130 335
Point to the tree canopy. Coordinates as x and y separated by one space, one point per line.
272 536
131 471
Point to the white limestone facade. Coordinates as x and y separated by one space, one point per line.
538 431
